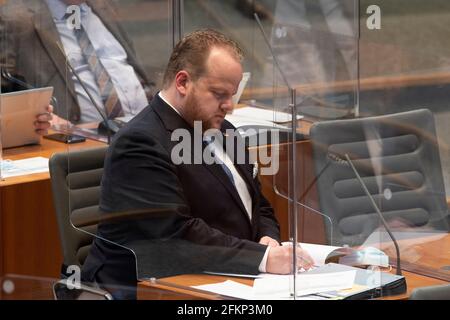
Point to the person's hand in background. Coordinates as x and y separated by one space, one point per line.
45 121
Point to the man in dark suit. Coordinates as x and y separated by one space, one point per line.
30 31
193 216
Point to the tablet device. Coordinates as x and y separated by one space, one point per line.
18 112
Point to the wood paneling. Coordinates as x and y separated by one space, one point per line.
31 243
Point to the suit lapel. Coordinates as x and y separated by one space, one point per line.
111 22
49 36
220 174
217 171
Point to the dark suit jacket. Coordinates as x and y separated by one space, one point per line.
210 230
28 50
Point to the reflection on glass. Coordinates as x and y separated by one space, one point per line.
22 287
402 66
316 43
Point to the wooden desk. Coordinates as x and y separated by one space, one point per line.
180 284
30 243
428 256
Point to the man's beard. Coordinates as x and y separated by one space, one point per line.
194 112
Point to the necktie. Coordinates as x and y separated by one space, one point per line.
108 93
211 147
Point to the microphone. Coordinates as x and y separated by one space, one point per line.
108 126
349 162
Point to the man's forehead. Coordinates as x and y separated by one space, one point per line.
221 57
222 66
221 82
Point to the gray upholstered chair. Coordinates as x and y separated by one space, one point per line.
75 178
397 157
441 292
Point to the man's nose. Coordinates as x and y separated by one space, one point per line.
227 105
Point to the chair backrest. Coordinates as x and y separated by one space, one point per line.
441 292
397 157
76 178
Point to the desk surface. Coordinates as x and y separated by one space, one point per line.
425 271
180 285
45 149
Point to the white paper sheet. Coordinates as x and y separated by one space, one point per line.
237 290
228 288
276 287
23 167
240 121
318 252
279 287
252 276
264 114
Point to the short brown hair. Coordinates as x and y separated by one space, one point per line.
191 52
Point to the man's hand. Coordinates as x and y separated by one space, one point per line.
268 241
280 261
43 121
46 120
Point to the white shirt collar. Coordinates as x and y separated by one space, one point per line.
168 103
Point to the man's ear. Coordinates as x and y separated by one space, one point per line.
182 82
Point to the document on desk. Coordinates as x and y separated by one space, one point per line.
319 283
238 290
319 252
23 167
264 114
229 288
306 284
239 121
278 286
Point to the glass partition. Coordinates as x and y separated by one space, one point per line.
163 207
404 64
32 85
395 159
404 67
114 77
23 287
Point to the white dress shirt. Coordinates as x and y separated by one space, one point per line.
111 54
